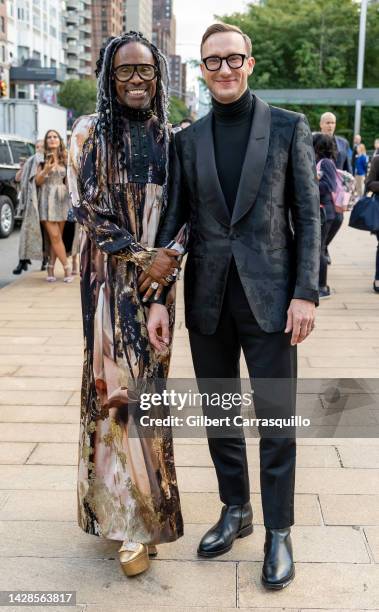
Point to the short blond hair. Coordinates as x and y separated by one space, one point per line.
216 28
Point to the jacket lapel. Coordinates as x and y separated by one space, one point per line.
209 188
255 160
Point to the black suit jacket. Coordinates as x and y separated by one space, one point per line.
343 154
274 231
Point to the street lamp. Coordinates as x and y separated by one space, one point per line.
361 63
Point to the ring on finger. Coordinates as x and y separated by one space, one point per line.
169 278
154 285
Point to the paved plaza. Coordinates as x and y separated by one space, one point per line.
336 537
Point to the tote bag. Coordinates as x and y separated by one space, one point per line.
365 214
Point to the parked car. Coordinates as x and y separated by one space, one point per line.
12 149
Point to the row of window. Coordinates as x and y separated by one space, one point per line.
23 53
37 4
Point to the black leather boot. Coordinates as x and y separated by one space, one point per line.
234 522
22 265
278 566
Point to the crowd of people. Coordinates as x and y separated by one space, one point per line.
49 231
333 153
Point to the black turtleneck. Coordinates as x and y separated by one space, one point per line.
231 129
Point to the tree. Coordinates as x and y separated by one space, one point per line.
177 110
313 44
78 96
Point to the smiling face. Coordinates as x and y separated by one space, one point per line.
135 93
226 84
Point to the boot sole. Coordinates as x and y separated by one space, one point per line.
280 585
246 531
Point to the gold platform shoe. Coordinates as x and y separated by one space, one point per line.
135 557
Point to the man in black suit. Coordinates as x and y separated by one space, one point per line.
244 178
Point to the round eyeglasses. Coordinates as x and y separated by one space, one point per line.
125 72
214 62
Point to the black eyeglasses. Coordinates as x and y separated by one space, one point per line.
125 72
214 62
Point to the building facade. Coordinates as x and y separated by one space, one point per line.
178 77
184 82
175 64
164 27
76 38
138 16
34 32
107 20
4 68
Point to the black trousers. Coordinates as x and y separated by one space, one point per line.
267 356
335 227
326 228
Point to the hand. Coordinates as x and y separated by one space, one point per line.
144 287
157 327
49 164
300 320
163 264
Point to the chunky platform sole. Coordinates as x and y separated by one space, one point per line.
242 533
137 565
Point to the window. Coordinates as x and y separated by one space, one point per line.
23 14
22 53
2 24
53 63
19 149
53 32
5 157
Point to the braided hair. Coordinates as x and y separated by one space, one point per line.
108 108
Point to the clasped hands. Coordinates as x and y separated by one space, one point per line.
162 271
300 314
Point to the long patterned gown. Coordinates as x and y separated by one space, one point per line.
127 485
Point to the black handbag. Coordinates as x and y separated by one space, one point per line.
365 214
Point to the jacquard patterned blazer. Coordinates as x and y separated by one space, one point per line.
274 230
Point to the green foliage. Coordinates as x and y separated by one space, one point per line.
78 96
313 44
177 110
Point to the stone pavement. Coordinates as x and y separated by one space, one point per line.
336 537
